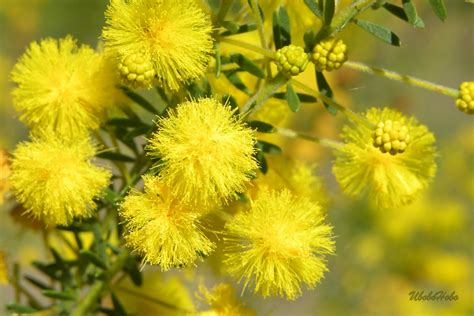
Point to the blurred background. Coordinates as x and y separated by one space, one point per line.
381 255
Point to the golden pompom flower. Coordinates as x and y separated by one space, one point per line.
163 229
223 302
279 244
3 269
54 179
172 36
64 88
4 174
390 164
206 152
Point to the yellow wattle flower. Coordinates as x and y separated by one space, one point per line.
161 228
223 302
174 36
279 244
4 174
205 152
392 168
3 269
54 179
63 87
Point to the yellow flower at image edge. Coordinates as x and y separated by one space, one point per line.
64 88
161 228
174 37
390 164
206 152
54 179
279 244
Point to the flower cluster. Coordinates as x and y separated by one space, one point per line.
279 243
364 167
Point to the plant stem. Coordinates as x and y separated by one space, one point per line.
224 8
350 114
98 289
261 32
322 141
402 78
262 95
343 18
265 52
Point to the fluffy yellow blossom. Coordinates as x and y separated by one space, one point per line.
206 152
64 88
163 229
55 180
388 178
3 269
279 244
223 302
4 174
294 175
174 36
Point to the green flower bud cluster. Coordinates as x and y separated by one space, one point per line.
465 100
136 71
391 137
291 60
329 54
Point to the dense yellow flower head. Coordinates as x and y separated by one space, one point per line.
206 152
55 180
161 228
279 244
64 88
174 36
4 174
3 269
223 302
389 179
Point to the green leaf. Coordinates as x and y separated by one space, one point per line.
281 28
292 98
123 122
234 78
379 31
141 101
133 270
19 308
412 15
115 156
268 148
247 65
118 310
262 162
329 7
262 127
65 296
324 88
439 9
396 10
38 283
305 98
309 38
244 28
93 258
313 6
